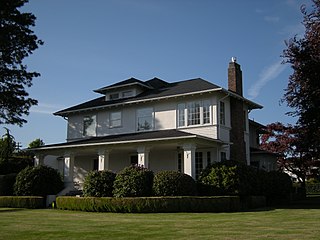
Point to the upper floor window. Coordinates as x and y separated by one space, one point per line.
222 113
194 113
114 96
89 126
144 119
115 119
127 94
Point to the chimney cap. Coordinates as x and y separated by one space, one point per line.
234 59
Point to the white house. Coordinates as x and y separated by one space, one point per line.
180 126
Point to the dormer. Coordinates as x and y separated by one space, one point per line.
129 88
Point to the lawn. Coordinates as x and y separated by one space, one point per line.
296 222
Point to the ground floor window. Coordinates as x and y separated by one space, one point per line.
198 163
134 160
180 162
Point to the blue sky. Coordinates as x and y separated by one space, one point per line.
91 44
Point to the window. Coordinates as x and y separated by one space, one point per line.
127 94
180 162
223 156
222 114
181 115
199 164
114 96
144 119
208 158
134 160
194 113
115 119
89 126
206 112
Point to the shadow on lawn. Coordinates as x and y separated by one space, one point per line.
11 210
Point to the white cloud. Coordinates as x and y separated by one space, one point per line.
266 76
45 108
271 19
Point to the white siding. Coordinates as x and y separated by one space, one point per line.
206 131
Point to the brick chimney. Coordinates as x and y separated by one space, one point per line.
238 146
235 77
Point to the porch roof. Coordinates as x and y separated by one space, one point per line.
140 137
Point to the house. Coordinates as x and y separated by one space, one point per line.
182 126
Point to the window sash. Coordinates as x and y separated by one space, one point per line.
222 113
115 119
144 119
89 126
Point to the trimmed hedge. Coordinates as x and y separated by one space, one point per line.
38 181
313 188
22 202
133 181
173 183
6 184
151 204
99 184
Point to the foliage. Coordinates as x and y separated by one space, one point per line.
6 184
313 188
99 184
7 146
173 183
17 42
133 181
303 91
228 178
15 164
22 202
36 143
150 204
284 140
38 181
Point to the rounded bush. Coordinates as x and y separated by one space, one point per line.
99 184
173 183
276 185
133 181
228 178
38 181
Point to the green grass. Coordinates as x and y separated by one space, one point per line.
297 222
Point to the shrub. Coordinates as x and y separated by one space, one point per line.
151 204
172 183
99 184
38 181
228 178
22 202
6 184
133 181
15 164
276 185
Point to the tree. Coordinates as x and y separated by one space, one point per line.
284 140
17 41
303 91
7 146
36 143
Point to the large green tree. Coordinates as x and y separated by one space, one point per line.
303 91
17 41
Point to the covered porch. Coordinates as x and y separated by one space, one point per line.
157 151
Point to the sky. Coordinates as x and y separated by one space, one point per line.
92 44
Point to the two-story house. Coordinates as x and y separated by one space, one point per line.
180 126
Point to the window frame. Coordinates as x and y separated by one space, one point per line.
222 113
111 120
148 110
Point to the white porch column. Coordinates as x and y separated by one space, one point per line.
38 159
189 166
103 161
143 156
68 168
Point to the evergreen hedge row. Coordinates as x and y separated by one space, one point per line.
22 202
153 204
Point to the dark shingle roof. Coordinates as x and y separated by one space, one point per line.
122 138
158 89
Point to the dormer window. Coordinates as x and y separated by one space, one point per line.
127 94
114 96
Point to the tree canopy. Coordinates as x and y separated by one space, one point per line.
303 91
17 41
